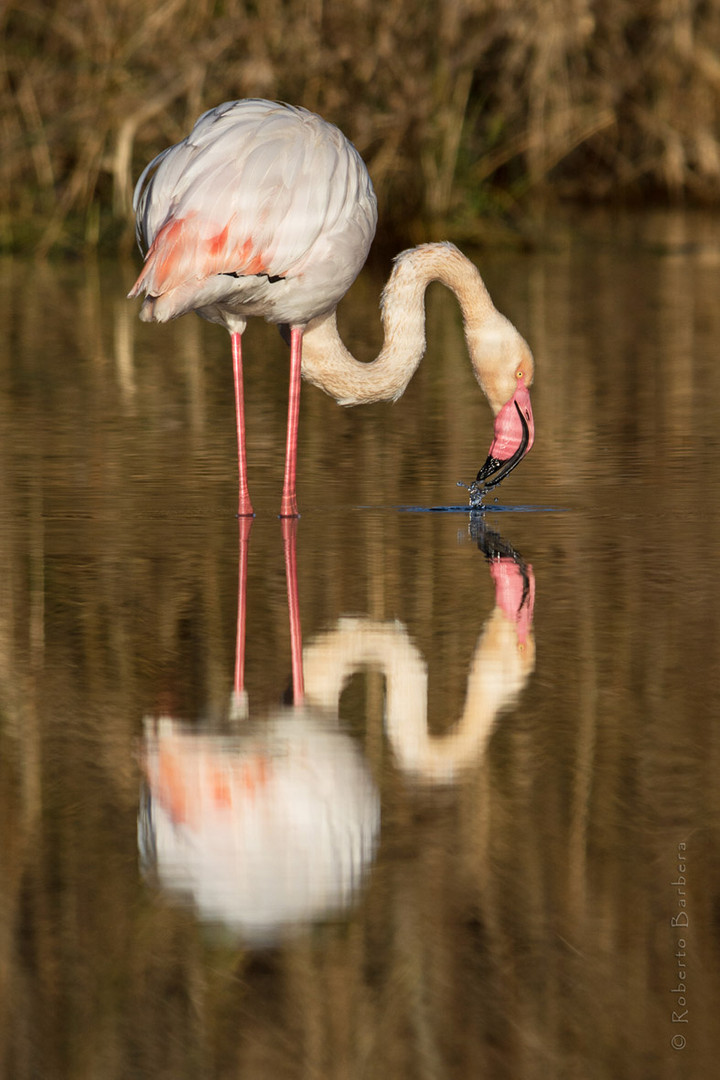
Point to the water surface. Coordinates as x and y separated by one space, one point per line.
487 844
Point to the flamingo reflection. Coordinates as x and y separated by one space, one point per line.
264 831
239 702
266 826
274 824
501 665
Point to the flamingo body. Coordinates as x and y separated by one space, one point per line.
263 210
267 210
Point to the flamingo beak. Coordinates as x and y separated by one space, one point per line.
514 435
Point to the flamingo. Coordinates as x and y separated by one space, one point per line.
266 209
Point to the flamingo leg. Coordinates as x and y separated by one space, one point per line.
289 531
288 506
244 505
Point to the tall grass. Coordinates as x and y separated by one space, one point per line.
459 107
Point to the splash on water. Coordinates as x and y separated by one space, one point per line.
474 512
476 493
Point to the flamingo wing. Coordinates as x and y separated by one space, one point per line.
255 189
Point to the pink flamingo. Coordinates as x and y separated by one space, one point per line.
267 210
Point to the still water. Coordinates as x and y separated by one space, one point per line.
487 843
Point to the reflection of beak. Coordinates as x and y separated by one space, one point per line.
514 435
513 577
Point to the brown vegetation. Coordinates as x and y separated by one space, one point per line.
458 107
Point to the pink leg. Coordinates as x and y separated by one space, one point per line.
288 506
239 681
289 531
244 505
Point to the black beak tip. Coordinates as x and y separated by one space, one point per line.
490 467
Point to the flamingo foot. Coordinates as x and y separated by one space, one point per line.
288 506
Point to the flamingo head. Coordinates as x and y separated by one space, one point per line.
505 372
514 436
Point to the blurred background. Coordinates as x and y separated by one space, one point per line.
462 109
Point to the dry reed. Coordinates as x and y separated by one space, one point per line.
459 107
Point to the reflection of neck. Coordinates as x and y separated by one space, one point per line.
328 364
499 670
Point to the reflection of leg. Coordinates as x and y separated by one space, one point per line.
289 531
240 708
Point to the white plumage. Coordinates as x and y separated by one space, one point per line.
257 191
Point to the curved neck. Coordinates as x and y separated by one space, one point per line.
498 673
328 364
